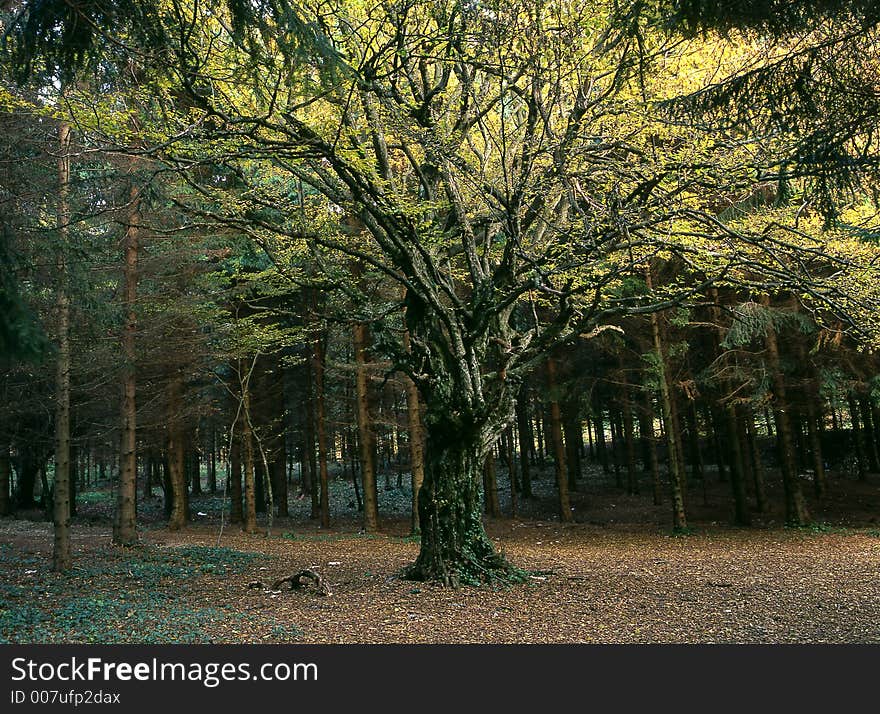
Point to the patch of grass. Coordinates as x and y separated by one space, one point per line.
821 528
286 633
157 608
408 539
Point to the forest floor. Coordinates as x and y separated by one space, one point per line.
615 577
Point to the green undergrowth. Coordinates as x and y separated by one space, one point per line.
142 594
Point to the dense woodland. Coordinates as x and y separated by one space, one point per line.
470 251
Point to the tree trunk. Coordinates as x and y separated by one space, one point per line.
795 508
416 445
321 423
310 473
820 483
124 524
870 443
61 560
5 493
454 548
523 426
558 445
235 510
757 466
858 437
247 440
176 454
212 463
366 437
646 433
679 520
490 485
511 471
571 426
738 476
632 479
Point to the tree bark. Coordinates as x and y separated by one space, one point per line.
310 473
858 437
247 440
525 442
5 494
321 424
454 548
366 437
795 508
490 485
176 454
558 445
235 510
124 524
416 444
61 558
646 433
679 519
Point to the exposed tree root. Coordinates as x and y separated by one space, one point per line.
298 580
491 569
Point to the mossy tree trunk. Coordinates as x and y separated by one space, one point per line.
455 549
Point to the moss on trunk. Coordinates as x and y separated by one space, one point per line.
455 549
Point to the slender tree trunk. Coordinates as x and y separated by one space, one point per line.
525 441
416 445
490 485
176 454
236 514
820 482
558 445
321 423
124 524
632 479
247 440
511 471
870 444
601 448
795 508
738 470
646 432
757 466
212 464
679 520
5 492
310 474
366 437
858 437
571 425
61 559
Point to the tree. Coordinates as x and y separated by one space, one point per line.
61 559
